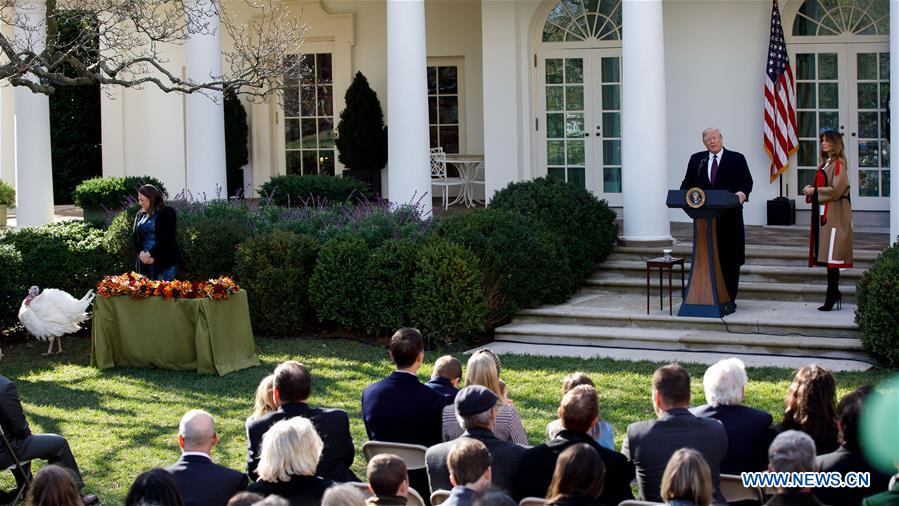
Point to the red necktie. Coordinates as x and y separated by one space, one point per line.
714 169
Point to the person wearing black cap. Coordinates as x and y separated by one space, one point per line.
476 408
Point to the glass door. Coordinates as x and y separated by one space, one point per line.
869 83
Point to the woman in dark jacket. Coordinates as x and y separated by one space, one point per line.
153 236
578 478
810 406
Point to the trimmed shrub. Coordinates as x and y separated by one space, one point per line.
447 298
237 135
12 285
523 263
387 303
362 139
335 289
274 267
375 223
294 190
133 183
878 297
117 241
7 194
586 225
111 192
208 235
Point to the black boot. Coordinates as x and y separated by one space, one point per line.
833 291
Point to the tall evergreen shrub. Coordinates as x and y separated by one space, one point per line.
361 137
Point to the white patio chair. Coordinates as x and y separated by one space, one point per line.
439 177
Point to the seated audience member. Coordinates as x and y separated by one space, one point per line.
53 486
273 500
849 456
387 480
399 408
343 495
264 400
749 431
793 451
650 444
469 466
476 409
245 499
810 406
890 497
155 486
27 446
292 386
201 481
687 480
287 464
578 478
494 497
481 370
602 432
579 412
446 377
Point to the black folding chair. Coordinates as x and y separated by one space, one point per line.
17 464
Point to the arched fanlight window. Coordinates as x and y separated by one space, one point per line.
579 20
837 17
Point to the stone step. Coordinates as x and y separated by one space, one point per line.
633 269
765 317
802 292
755 255
809 348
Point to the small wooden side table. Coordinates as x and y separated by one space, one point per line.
662 263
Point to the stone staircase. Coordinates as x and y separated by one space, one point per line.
776 322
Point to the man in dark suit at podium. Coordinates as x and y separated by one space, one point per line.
721 169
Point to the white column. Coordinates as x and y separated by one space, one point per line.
205 113
408 168
644 156
894 121
34 171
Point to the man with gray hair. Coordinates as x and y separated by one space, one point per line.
201 482
749 431
476 411
792 452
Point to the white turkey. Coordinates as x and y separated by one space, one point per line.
50 314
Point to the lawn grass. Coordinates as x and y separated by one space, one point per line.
121 422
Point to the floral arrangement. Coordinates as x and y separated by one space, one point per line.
139 287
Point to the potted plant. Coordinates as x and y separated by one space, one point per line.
7 199
99 195
361 136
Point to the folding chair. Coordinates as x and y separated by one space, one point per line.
733 490
439 497
17 464
532 501
412 455
413 499
632 502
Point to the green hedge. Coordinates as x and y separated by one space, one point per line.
12 284
387 304
111 192
208 235
585 225
335 289
274 267
294 190
7 194
523 263
877 315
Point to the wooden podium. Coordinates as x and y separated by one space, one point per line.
707 294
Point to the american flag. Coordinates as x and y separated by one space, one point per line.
780 100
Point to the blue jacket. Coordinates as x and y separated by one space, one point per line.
444 387
401 409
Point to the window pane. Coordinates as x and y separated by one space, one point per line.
805 66
449 138
574 70
325 104
449 109
574 124
555 153
885 183
868 154
868 183
575 153
554 70
611 179
326 162
610 70
884 154
325 133
552 33
611 152
807 124
574 98
805 95
867 95
828 96
308 69
804 177
807 156
291 102
827 66
292 133
884 66
828 119
555 126
576 176
557 173
867 65
611 96
867 125
432 110
555 100
435 140
307 101
448 80
884 125
293 163
611 124
884 95
310 162
323 68
309 140
432 80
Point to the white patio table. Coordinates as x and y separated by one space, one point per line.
469 167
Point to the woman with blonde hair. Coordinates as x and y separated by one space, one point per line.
53 486
602 432
264 401
481 370
687 480
811 407
830 239
290 453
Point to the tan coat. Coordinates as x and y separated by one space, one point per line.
830 242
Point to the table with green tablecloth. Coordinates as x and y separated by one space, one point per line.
203 335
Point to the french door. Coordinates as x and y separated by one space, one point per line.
578 120
845 87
